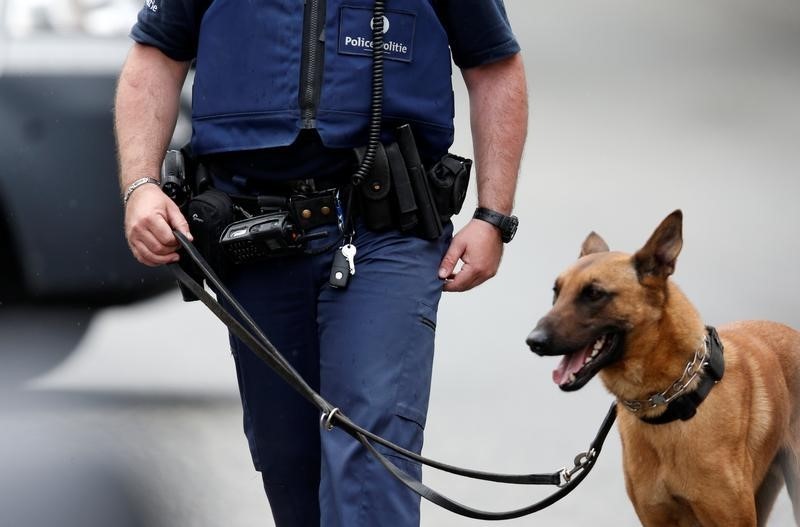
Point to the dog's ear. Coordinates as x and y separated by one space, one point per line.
593 244
657 257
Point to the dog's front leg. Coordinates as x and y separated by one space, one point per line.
697 515
656 506
790 464
720 508
715 505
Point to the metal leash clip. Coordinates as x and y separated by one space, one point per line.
582 461
326 419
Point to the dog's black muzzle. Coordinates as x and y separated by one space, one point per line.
540 341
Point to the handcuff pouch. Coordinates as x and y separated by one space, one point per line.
375 192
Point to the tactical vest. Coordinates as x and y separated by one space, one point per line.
268 68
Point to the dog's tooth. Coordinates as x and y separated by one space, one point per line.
595 352
588 360
571 377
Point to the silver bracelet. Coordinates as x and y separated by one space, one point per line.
136 184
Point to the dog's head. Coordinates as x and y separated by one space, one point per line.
602 299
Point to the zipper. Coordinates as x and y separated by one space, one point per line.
311 65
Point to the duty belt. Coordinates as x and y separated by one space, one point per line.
310 202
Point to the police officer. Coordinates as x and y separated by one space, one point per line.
281 95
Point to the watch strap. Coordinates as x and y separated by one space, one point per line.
506 224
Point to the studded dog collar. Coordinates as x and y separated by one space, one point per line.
708 366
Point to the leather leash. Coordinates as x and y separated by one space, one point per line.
243 326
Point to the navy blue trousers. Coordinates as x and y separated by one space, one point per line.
368 349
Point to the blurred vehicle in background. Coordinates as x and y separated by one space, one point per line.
61 219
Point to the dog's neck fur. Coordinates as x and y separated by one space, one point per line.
670 340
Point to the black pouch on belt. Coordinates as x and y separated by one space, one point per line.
309 212
449 180
375 192
208 214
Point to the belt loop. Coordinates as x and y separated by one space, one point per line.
310 184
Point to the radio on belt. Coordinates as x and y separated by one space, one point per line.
260 237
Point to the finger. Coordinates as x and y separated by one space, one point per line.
178 221
451 286
451 257
469 277
154 245
456 285
147 257
159 226
460 281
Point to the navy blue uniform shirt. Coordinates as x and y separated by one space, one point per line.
478 31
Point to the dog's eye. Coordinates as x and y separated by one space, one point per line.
593 293
556 290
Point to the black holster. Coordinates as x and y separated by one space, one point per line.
208 211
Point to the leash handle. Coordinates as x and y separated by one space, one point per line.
252 336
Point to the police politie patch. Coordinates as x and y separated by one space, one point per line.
355 33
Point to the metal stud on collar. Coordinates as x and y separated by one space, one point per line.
693 369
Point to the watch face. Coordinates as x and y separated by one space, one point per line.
510 225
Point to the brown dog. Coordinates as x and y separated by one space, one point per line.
695 451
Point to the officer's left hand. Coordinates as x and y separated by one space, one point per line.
480 247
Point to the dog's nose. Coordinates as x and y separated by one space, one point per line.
538 340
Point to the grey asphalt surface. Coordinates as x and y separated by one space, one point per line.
131 414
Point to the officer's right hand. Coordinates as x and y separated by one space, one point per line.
150 218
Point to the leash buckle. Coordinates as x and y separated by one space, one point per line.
582 461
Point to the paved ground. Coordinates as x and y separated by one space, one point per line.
637 109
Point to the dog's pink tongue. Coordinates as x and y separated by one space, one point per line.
569 364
